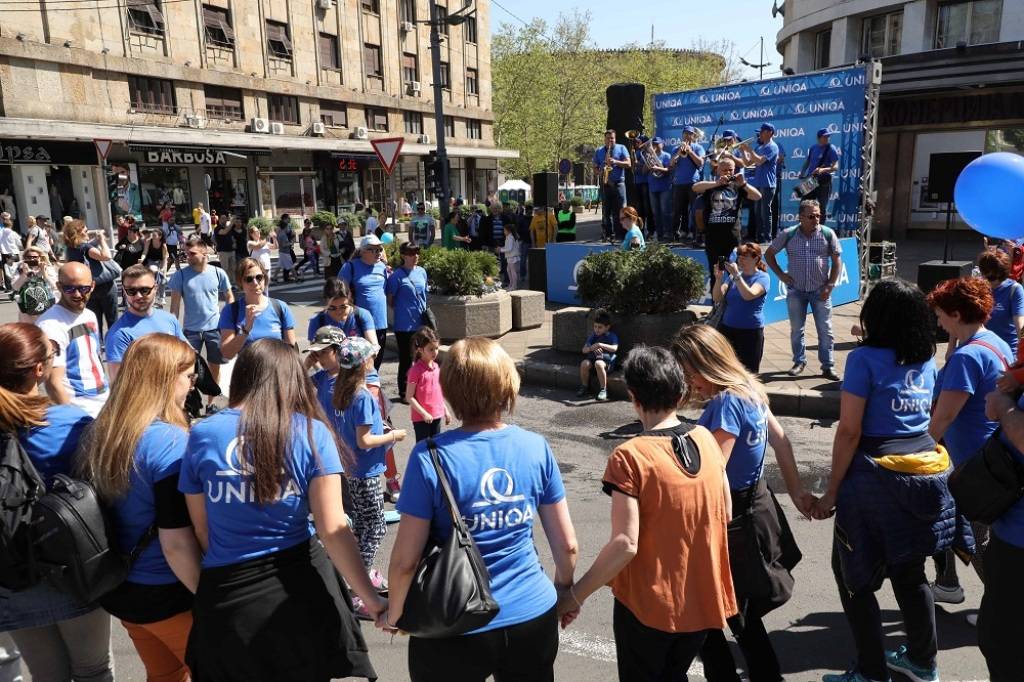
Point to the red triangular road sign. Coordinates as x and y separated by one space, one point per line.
103 147
387 150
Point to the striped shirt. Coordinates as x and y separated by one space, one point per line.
810 258
78 341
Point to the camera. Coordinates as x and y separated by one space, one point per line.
721 262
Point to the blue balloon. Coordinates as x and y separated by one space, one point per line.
989 195
387 238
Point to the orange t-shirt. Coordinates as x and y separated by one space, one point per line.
679 580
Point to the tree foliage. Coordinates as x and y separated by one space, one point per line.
549 86
651 280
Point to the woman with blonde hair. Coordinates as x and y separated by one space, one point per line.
736 413
35 262
132 455
59 637
481 383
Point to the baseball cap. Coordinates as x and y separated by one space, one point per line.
689 129
369 241
326 337
769 127
729 133
824 132
657 140
354 351
409 247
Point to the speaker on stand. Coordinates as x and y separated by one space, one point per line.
626 112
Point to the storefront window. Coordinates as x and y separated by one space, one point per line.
165 186
291 194
7 202
229 190
348 191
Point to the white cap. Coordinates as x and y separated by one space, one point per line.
368 241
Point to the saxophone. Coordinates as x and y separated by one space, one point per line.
607 171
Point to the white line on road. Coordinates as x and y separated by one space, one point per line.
601 648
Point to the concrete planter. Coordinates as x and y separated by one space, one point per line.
572 326
461 316
527 309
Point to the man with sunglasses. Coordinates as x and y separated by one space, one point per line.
139 318
201 286
77 377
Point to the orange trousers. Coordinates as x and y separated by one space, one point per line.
161 646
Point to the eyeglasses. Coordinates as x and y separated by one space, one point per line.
337 308
138 291
250 279
70 289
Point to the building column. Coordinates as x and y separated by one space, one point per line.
30 192
917 28
83 184
845 45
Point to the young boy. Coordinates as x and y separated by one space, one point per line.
600 352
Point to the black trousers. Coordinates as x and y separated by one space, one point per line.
719 242
748 344
1001 606
682 196
648 655
750 633
822 192
404 340
382 336
914 596
103 303
423 430
643 207
524 652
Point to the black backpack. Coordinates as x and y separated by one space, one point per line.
35 296
21 487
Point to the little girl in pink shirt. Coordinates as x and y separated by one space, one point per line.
426 402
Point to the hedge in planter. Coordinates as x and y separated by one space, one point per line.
651 280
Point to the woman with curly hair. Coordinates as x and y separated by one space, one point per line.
1007 317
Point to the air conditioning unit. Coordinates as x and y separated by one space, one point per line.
259 125
193 121
324 4
317 128
276 128
424 139
408 27
413 87
361 133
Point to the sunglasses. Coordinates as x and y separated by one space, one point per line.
70 289
250 279
138 291
337 308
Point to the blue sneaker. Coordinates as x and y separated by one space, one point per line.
850 676
901 663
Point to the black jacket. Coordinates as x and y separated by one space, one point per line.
486 230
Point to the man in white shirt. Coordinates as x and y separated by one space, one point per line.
77 377
10 249
205 226
371 222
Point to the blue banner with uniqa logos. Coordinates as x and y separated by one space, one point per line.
798 106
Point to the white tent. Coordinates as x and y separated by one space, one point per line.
514 184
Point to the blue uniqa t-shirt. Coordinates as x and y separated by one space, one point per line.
631 234
974 370
367 283
898 397
362 411
743 314
200 293
271 323
499 480
687 172
821 157
356 324
239 527
766 175
1009 302
52 447
130 327
748 422
664 183
409 289
1010 526
157 456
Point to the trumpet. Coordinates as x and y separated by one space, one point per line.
724 147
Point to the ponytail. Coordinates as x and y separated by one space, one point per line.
21 411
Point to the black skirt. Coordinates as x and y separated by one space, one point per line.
284 617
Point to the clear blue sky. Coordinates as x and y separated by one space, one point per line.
680 23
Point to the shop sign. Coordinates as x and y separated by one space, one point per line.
348 165
40 151
188 157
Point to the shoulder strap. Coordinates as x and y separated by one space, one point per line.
278 308
789 232
986 344
458 525
236 306
142 544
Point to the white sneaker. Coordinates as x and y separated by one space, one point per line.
947 595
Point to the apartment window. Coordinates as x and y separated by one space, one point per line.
822 48
371 5
328 46
413 122
472 82
334 114
218 27
410 68
882 35
449 126
151 95
446 76
473 129
278 43
224 103
283 108
146 18
442 15
376 119
470 29
407 10
971 22
372 62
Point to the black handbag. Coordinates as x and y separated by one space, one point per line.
450 593
428 319
989 483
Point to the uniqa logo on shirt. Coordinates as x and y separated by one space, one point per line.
232 484
496 490
914 396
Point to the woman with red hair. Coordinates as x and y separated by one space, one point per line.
975 359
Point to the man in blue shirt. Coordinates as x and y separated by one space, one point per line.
661 192
641 189
614 158
139 319
764 156
822 161
687 164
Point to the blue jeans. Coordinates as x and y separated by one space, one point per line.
613 198
797 302
661 206
763 209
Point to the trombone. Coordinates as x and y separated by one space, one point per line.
722 146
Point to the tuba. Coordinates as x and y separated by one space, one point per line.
646 152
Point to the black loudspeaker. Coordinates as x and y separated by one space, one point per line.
545 189
578 174
537 270
943 170
625 109
934 271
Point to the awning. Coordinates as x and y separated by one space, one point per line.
244 151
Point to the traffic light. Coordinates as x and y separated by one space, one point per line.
112 178
432 167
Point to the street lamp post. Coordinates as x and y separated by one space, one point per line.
442 153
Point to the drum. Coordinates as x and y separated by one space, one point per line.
807 186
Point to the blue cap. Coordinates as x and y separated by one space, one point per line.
769 127
689 129
824 132
657 140
643 138
729 133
